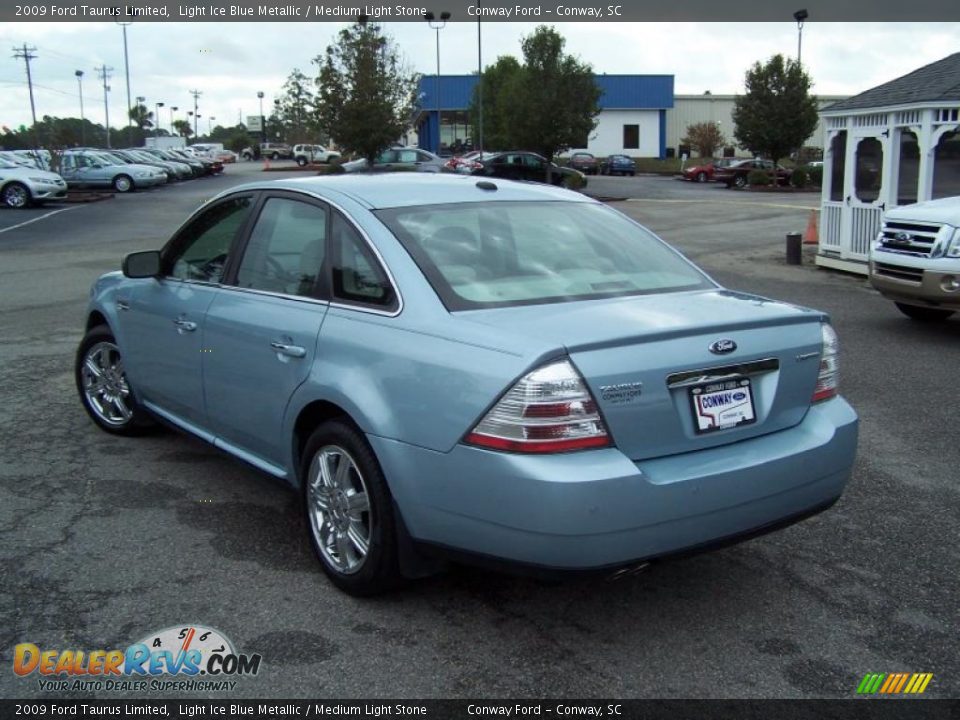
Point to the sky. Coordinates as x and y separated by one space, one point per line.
230 62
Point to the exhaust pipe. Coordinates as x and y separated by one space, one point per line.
628 571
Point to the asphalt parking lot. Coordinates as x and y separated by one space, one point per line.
103 540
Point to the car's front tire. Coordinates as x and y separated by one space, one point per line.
17 195
302 161
349 510
740 181
103 386
123 183
701 177
924 314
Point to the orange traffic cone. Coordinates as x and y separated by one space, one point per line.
811 236
266 162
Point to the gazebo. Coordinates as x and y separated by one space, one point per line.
895 144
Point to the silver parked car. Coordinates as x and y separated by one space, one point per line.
405 158
22 186
87 168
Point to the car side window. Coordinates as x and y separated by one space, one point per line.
200 251
286 248
532 161
407 156
357 274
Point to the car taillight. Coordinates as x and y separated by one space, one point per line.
452 163
828 379
475 165
548 410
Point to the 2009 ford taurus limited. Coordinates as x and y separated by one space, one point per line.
500 371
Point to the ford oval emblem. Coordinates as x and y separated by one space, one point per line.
722 346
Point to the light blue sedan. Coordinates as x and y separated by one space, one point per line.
495 372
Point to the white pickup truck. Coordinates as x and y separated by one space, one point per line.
915 260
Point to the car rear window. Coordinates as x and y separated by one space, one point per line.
496 254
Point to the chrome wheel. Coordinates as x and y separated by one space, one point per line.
105 385
16 196
122 184
338 505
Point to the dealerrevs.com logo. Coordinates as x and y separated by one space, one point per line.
183 658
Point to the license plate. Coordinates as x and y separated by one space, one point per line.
722 405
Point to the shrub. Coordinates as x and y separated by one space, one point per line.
815 175
575 181
800 178
758 177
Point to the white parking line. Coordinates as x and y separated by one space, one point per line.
46 215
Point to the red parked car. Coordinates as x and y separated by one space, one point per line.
704 169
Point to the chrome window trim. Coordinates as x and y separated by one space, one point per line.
283 296
689 378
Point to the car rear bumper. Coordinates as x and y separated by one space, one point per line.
598 509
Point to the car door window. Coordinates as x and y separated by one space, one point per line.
357 274
408 156
286 248
200 251
533 162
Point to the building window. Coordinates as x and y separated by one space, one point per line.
838 150
869 159
946 167
631 137
909 168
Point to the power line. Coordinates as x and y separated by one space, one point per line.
26 54
104 73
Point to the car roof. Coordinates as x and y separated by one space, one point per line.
388 190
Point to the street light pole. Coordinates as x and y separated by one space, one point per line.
263 125
437 25
126 69
209 121
83 124
173 109
800 16
156 129
478 145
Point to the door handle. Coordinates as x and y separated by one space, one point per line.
294 351
185 325
122 304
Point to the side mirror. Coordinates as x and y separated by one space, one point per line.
142 264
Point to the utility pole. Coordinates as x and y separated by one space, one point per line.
26 53
83 124
196 94
126 69
104 72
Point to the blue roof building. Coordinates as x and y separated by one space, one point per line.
632 120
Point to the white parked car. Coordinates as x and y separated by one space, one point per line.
305 154
22 187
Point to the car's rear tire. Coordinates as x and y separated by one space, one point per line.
924 314
302 161
103 386
349 510
17 195
123 183
740 181
275 156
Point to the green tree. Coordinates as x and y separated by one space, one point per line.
364 94
141 116
559 99
776 114
183 127
297 108
705 138
500 87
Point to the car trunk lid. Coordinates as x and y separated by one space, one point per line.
647 358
